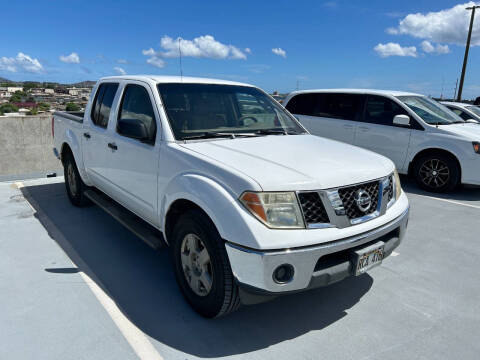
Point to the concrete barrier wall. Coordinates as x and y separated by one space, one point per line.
26 147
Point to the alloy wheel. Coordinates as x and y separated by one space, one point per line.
434 173
196 264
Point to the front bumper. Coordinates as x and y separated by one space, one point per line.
314 266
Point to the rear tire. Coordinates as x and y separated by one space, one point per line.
74 183
201 266
436 172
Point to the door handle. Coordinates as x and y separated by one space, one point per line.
86 135
112 146
348 126
364 128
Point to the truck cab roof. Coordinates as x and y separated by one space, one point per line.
173 79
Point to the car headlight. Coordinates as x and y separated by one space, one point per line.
476 147
274 209
398 185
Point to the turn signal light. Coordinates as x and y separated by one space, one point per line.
476 147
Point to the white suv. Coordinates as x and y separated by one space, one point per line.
467 112
421 136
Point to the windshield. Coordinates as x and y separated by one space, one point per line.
195 110
430 111
474 109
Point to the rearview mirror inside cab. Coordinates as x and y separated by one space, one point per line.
402 120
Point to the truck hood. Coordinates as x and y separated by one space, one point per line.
469 131
295 162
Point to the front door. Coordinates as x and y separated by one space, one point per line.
378 133
133 164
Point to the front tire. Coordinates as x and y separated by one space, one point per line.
74 183
201 266
437 172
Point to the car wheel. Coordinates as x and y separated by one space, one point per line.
437 172
201 266
74 183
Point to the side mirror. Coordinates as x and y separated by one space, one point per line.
401 120
133 128
472 121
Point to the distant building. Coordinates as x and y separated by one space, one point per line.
49 91
28 105
12 89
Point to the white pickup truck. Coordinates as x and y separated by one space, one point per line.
251 205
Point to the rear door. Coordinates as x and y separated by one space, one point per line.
133 164
95 135
378 133
329 115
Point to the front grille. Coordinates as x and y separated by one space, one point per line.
347 194
313 210
390 189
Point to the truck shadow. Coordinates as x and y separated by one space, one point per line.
142 284
462 193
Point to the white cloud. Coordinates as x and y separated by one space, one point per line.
73 58
120 70
122 61
429 48
445 26
394 49
279 52
20 62
248 50
200 47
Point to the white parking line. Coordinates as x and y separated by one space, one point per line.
135 337
449 201
139 342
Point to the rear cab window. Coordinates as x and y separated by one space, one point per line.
102 104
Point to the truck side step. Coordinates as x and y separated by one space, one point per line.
132 222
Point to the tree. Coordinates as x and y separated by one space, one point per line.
8 108
33 111
43 106
16 98
477 101
72 107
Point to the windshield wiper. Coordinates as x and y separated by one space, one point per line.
210 135
276 132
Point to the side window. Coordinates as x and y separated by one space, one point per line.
381 110
337 106
103 103
136 104
461 113
301 104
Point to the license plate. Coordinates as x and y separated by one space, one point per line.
368 257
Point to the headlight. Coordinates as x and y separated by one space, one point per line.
398 185
274 209
476 147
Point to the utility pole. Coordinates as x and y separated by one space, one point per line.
465 58
455 93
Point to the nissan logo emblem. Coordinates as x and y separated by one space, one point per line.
363 200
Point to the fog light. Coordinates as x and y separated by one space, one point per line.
283 274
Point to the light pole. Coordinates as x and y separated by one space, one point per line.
465 58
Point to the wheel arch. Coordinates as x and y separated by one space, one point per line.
195 191
433 150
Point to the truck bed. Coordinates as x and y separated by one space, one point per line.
71 115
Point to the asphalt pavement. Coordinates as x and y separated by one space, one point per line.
75 284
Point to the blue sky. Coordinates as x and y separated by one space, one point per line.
318 44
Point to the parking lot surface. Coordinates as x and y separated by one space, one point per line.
75 284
